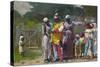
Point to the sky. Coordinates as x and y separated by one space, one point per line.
22 7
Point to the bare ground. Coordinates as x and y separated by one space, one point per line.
39 61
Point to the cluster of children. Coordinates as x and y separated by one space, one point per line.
86 42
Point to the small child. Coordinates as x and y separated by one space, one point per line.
21 45
77 46
82 43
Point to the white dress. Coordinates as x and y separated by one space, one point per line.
21 49
46 43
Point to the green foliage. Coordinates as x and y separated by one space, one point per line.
31 24
90 11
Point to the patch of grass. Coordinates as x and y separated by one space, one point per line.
29 54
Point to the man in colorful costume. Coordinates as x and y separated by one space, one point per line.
56 38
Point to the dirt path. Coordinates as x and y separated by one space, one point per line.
40 61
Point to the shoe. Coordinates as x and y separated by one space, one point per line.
46 61
56 60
